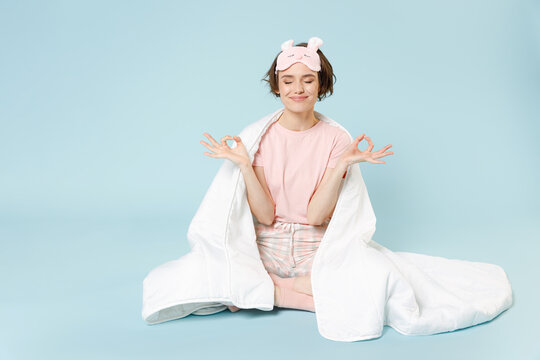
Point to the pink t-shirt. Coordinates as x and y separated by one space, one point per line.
294 163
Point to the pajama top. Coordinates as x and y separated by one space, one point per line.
294 164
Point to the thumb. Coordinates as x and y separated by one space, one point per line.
237 139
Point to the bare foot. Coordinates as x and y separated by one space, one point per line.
302 284
233 308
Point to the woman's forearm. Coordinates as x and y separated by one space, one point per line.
260 203
323 202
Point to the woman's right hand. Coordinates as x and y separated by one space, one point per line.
238 155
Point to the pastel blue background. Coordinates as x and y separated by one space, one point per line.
103 105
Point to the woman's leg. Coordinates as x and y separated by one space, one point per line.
274 244
292 293
284 283
306 241
300 284
288 298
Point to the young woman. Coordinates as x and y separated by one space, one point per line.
296 175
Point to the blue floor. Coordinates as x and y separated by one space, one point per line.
71 289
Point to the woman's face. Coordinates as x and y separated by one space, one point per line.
298 87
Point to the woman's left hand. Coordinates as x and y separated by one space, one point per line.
353 155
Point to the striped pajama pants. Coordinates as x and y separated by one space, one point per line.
288 249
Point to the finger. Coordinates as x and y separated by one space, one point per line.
211 155
214 142
208 145
384 148
370 147
378 154
376 161
224 140
237 139
358 139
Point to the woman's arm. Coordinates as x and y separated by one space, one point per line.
323 202
259 198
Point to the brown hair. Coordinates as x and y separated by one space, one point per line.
326 76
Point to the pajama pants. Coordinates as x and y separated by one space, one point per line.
288 249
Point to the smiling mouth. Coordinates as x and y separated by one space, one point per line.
299 98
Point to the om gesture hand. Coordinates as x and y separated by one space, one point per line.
238 155
353 155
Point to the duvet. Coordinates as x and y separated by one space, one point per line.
358 285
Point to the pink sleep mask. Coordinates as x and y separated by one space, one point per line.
306 55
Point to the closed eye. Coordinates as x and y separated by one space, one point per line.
307 82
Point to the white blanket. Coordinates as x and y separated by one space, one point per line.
358 285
